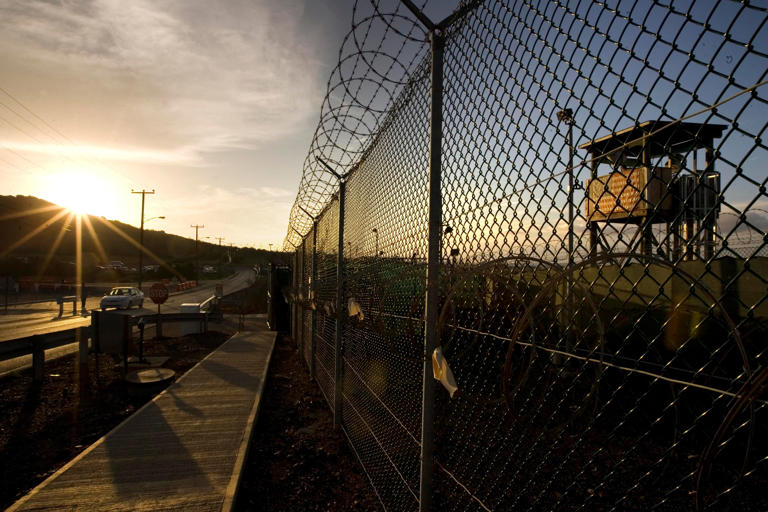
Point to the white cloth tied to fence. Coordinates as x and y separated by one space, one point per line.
355 309
442 371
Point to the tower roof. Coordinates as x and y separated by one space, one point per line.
658 137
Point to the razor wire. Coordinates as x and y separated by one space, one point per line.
376 60
604 253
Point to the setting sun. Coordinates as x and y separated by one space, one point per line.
80 191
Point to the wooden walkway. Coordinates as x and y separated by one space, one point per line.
182 451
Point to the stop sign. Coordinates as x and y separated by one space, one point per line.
158 293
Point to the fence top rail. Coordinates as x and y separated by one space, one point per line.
18 347
170 317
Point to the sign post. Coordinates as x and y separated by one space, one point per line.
159 294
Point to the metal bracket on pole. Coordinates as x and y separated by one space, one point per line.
457 14
447 21
340 177
420 15
304 210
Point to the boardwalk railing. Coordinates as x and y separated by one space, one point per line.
37 344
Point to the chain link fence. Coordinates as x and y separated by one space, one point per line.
563 206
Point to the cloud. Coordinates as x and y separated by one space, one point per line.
169 95
180 156
191 74
247 215
751 230
271 192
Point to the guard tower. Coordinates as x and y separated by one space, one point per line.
637 192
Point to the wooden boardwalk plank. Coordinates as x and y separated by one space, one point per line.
184 450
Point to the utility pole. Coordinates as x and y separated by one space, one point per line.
219 238
230 251
141 231
197 259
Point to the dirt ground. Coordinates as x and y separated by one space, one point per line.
43 426
297 461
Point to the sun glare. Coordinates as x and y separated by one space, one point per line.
79 191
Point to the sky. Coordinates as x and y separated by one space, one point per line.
211 105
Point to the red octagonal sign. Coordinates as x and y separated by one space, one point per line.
158 293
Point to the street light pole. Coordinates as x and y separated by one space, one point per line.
141 232
197 258
566 116
220 254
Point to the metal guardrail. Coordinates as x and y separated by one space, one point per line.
37 344
164 318
69 298
207 303
173 317
24 346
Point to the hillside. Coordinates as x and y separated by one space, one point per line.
38 238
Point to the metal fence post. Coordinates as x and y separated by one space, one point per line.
294 303
433 272
338 373
300 303
312 297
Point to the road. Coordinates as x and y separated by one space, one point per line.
30 319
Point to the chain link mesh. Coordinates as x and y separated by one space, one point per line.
604 261
325 298
385 232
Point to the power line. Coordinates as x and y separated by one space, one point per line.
21 156
52 128
20 129
46 123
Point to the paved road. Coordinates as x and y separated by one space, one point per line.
30 319
40 318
